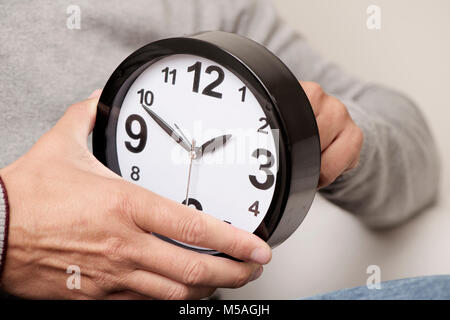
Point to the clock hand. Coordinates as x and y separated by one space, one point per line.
212 145
168 129
181 133
192 156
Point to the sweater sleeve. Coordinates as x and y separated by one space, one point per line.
398 174
3 224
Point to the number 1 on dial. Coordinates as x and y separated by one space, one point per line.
243 90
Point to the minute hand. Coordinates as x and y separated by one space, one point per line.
168 129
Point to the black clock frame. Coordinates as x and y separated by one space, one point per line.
277 90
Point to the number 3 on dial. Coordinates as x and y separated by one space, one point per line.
270 179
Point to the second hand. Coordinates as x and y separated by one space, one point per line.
192 156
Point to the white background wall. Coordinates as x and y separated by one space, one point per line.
411 52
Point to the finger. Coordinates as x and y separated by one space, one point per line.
341 155
153 213
331 122
158 287
79 119
315 94
96 94
126 295
189 267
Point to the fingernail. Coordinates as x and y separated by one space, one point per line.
260 255
256 274
95 94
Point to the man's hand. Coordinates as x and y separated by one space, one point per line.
66 209
340 138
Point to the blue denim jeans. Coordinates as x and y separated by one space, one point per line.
420 288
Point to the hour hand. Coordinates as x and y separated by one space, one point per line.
212 145
168 129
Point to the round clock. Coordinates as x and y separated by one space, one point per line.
217 122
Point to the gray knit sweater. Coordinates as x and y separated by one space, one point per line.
46 66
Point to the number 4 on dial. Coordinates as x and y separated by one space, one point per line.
254 208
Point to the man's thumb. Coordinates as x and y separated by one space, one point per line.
79 119
96 94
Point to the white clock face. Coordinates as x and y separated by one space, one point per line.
200 100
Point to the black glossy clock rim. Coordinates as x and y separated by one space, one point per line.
104 142
136 63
